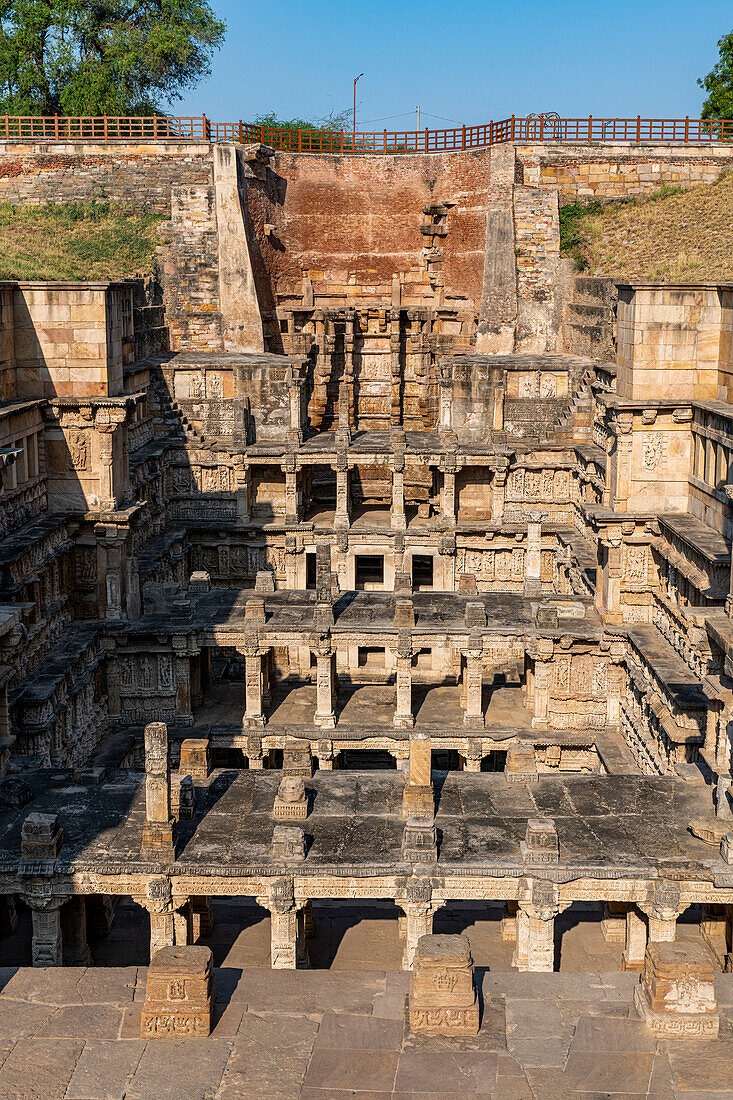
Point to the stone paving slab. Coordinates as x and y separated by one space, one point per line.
170 1069
269 1057
39 1069
104 1070
540 1047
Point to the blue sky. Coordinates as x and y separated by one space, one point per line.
462 62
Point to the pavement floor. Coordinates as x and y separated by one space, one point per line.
73 1034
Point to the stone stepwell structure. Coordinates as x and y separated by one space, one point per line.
336 565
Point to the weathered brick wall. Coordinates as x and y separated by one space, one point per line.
351 224
139 175
585 172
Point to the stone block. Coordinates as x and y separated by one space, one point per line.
291 801
265 581
199 582
420 840
540 844
288 843
41 836
676 997
195 757
297 759
179 995
521 763
442 999
418 800
467 582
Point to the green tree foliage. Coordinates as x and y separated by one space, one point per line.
719 83
95 57
333 121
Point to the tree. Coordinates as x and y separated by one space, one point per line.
333 121
719 83
92 57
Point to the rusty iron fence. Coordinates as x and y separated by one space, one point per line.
535 128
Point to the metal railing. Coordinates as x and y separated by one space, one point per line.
534 128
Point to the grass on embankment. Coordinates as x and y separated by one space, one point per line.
92 240
672 235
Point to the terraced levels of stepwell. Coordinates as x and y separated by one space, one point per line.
365 608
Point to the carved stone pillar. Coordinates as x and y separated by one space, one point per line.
291 490
162 931
663 911
342 492
536 938
533 556
398 500
243 483
419 910
253 710
636 935
325 717
542 682
621 462
46 946
74 933
498 494
449 495
158 840
283 925
182 674
403 718
474 674
610 587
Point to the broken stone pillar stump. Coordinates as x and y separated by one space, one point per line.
41 837
417 797
636 937
179 996
288 843
291 800
442 998
520 763
158 841
613 922
676 996
541 843
420 841
195 758
297 759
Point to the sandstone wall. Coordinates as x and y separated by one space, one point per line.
608 172
118 171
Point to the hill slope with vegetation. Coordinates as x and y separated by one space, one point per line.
94 240
674 234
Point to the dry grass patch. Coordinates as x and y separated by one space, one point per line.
673 235
94 240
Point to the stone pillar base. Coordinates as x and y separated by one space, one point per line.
403 721
443 997
179 996
631 964
675 1025
417 801
158 841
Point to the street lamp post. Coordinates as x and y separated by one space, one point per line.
354 107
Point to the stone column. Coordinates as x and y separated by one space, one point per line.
474 674
74 933
342 492
202 918
182 674
291 489
325 716
105 433
417 798
181 925
46 947
536 938
397 438
542 681
533 556
162 931
449 495
623 423
663 911
608 594
253 712
613 923
158 839
498 493
243 482
418 922
283 925
635 945
403 718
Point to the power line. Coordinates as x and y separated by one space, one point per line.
383 118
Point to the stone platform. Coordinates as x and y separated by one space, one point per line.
72 1034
